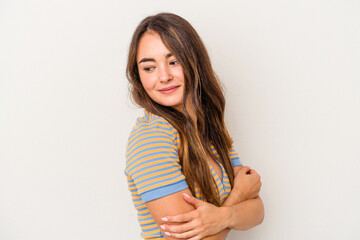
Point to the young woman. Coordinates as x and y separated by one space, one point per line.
184 175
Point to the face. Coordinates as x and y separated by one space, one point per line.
160 73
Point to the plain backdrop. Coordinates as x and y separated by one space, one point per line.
291 74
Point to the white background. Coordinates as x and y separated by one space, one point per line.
292 80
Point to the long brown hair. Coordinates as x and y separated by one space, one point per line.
204 92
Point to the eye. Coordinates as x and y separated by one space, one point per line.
148 69
174 62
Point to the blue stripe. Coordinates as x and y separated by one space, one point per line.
148 224
150 229
146 219
143 214
164 191
223 194
138 205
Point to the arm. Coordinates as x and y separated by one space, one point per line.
174 204
247 214
247 207
242 210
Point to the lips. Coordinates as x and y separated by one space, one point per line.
169 90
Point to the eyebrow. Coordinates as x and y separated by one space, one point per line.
153 60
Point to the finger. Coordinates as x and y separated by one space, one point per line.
244 169
190 234
255 174
192 200
197 237
179 229
252 171
185 217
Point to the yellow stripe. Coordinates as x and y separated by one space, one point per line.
147 221
146 216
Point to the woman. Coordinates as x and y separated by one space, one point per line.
186 179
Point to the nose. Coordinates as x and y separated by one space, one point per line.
164 74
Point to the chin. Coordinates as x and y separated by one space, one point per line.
173 104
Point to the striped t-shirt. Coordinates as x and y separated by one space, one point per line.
153 169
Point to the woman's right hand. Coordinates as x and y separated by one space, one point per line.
247 184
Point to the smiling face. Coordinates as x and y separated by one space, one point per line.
160 73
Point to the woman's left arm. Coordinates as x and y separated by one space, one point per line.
247 214
244 200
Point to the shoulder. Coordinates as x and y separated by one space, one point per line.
152 138
149 126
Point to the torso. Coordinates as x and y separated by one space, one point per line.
153 168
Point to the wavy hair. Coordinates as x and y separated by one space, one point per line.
202 89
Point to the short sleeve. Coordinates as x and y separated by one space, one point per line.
234 156
152 160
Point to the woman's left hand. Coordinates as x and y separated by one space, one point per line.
205 220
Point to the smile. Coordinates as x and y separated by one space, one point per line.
169 90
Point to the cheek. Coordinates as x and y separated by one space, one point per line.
179 74
147 81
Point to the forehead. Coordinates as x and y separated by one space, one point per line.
151 45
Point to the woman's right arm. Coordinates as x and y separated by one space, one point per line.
242 210
174 204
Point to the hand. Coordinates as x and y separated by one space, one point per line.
205 220
247 184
